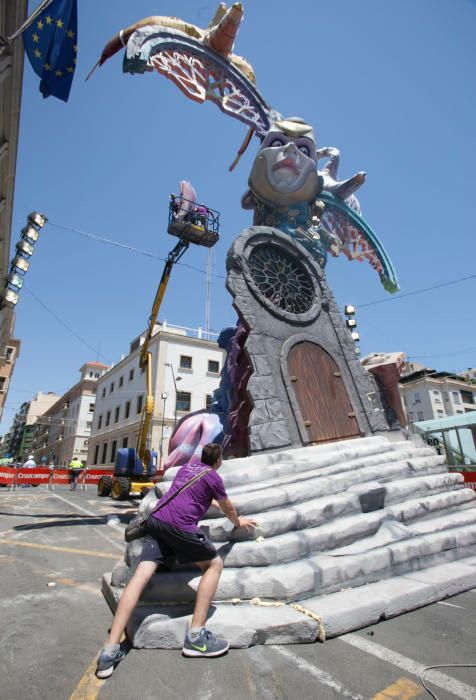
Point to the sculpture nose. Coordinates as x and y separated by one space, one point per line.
289 149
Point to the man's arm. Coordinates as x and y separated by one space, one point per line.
228 509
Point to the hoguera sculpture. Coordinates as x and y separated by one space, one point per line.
350 531
291 377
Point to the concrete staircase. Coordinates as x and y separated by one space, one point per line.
349 533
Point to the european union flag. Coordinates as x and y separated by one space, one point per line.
51 45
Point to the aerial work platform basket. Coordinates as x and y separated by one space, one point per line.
192 222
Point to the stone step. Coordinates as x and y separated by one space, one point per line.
457 518
244 624
316 485
302 510
322 573
238 472
292 546
355 608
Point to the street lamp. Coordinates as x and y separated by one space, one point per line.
351 324
176 379
163 396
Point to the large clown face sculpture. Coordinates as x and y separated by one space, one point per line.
285 170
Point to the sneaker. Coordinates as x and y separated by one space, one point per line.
106 663
206 644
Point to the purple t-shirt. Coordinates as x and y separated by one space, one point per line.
188 508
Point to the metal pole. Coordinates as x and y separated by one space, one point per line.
164 397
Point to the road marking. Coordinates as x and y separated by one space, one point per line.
89 686
94 515
402 689
54 576
451 605
461 690
319 674
34 545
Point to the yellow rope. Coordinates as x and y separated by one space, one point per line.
296 606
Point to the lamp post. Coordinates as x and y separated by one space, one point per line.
163 396
351 324
175 379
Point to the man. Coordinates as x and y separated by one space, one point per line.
30 463
75 467
173 532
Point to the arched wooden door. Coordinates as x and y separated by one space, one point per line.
321 394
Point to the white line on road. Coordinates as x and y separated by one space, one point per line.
461 690
319 674
94 515
451 605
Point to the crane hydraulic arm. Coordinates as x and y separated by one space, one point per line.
145 361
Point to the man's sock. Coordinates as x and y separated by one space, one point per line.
195 632
111 649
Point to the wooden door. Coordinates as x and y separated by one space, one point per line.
321 394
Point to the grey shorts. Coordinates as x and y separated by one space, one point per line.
164 543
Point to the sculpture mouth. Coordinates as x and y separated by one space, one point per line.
288 164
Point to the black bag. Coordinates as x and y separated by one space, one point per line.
138 526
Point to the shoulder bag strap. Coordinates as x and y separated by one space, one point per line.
182 488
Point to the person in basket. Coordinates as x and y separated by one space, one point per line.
172 532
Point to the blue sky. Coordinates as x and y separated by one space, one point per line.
391 84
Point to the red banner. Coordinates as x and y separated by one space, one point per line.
60 476
92 476
38 475
470 480
7 475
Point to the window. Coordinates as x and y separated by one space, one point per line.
2 383
121 381
96 454
213 366
208 400
420 415
416 397
90 374
89 425
131 375
104 392
116 414
111 388
140 400
91 408
127 410
459 411
183 401
113 450
104 453
436 393
185 362
456 396
99 423
9 354
108 418
124 442
96 375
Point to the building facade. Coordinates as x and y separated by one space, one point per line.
63 431
12 14
185 372
429 395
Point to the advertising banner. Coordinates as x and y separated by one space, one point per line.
7 475
38 475
92 476
60 476
470 480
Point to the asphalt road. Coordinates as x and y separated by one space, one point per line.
54 548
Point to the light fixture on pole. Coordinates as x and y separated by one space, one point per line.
21 262
163 396
175 380
351 324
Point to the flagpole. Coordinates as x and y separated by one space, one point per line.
29 20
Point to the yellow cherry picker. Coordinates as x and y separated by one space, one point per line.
135 469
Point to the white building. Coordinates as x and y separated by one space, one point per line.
64 429
428 395
185 372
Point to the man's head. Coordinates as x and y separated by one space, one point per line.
212 455
30 457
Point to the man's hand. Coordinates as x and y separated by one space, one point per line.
248 523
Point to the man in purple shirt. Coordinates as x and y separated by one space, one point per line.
172 532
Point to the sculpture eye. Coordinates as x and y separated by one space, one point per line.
305 150
276 143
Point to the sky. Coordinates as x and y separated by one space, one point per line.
391 84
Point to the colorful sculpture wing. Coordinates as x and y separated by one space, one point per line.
356 238
200 73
